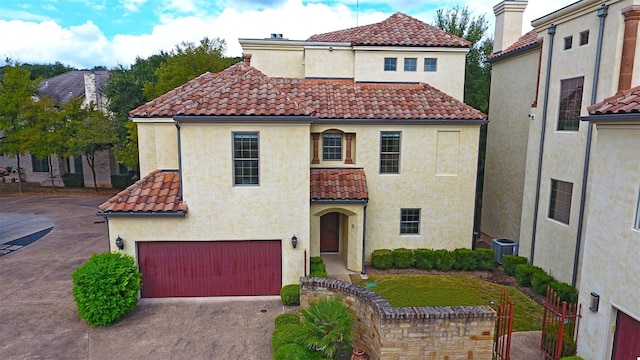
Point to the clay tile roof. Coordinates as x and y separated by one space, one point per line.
625 102
398 30
239 90
342 184
528 40
156 193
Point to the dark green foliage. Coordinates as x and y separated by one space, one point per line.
286 334
73 180
552 333
425 259
524 272
121 181
290 295
295 352
464 259
540 281
403 258
509 263
382 259
286 318
327 326
571 358
565 291
105 288
485 259
444 260
318 267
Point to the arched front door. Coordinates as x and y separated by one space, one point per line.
330 232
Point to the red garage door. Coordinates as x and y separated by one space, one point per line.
220 268
626 342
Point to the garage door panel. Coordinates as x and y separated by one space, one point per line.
221 268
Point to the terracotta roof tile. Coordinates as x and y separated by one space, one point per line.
135 199
625 102
338 184
398 30
529 39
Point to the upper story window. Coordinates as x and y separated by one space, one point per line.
430 64
390 64
332 146
410 64
390 152
584 37
40 164
568 42
410 221
570 104
560 202
246 159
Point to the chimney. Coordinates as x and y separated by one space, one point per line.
247 59
508 27
91 88
631 17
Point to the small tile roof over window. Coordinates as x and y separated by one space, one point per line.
338 184
242 90
624 103
526 41
398 30
70 85
155 194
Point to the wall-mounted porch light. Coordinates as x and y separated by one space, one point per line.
595 301
119 242
294 241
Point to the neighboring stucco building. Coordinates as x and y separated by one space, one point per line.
610 266
398 49
542 82
239 163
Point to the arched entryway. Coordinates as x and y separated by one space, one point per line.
330 232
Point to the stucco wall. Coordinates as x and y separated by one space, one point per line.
325 62
157 145
286 61
350 242
610 264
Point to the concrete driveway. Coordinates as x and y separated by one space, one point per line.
39 319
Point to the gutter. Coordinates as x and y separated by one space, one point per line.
144 214
364 236
613 117
506 55
340 201
551 31
176 121
602 14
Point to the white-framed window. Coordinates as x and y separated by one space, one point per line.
390 64
560 201
430 64
390 152
409 221
410 64
246 158
332 146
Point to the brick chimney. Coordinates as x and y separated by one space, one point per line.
247 59
91 88
631 17
508 28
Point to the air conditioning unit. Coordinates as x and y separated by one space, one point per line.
502 247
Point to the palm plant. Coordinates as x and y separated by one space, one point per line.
327 326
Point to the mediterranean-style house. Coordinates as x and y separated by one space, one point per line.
248 176
566 189
63 88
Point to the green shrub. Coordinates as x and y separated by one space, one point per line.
539 282
571 358
551 331
286 334
286 318
509 263
105 288
444 260
403 258
565 291
382 259
524 272
485 259
318 267
295 352
290 295
121 181
327 327
73 180
464 259
425 259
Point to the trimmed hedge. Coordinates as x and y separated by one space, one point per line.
73 180
464 259
444 260
318 267
429 259
290 295
286 334
295 352
121 181
382 259
524 272
509 263
485 259
286 318
540 281
565 291
403 258
425 259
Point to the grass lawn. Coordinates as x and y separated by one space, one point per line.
453 290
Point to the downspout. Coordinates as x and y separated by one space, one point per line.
177 123
551 31
364 236
602 14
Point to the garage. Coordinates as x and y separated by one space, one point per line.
210 268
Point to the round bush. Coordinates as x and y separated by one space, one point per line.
403 258
286 318
381 259
290 295
286 334
295 352
105 288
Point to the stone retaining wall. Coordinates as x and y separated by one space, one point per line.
410 333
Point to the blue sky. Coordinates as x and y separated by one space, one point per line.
87 33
